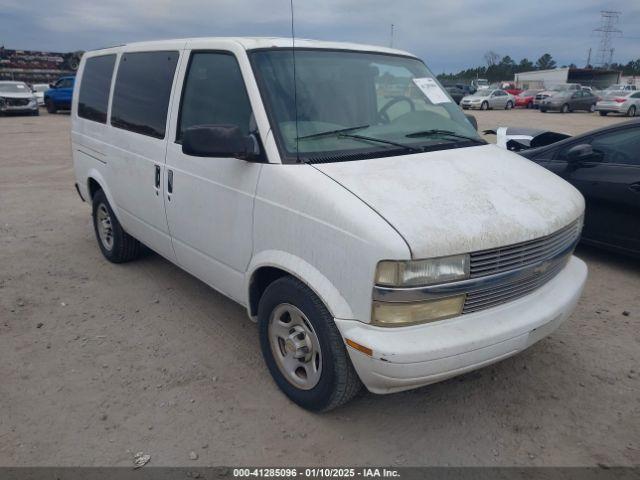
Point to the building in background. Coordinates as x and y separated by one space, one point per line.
557 76
37 67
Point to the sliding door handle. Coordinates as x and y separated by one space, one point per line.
170 181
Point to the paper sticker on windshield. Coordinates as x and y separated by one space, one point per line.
432 90
20 86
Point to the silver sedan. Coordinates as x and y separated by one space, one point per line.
626 102
488 98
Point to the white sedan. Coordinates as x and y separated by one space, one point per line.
487 98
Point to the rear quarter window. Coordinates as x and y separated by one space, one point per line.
142 91
93 99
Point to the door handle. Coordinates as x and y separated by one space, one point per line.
170 181
635 187
157 176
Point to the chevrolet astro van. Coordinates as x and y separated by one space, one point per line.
338 193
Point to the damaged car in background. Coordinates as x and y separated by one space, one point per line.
603 164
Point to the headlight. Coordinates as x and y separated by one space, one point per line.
387 314
414 273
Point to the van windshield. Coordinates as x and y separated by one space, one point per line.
354 105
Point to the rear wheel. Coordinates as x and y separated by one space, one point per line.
632 111
543 110
51 107
116 245
509 105
565 108
303 348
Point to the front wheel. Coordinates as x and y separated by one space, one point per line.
592 107
51 107
116 245
632 111
303 348
484 106
509 105
565 108
603 114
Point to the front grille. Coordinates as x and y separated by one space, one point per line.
541 258
17 102
506 292
496 260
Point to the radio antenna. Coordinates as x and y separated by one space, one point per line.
295 87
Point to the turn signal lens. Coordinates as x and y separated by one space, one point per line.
388 314
422 272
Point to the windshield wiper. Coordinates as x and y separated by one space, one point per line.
343 133
333 132
429 133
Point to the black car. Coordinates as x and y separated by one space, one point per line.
456 93
604 165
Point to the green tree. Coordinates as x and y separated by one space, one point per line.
525 65
545 62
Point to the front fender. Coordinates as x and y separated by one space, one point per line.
305 272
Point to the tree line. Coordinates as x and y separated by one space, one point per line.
503 68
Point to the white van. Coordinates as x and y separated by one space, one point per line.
337 192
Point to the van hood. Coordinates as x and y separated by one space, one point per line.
461 200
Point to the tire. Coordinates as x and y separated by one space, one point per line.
528 105
116 245
592 107
632 111
332 380
35 113
484 106
51 107
603 114
543 110
564 108
509 105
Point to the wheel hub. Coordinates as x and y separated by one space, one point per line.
295 346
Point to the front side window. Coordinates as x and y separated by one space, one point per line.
94 89
214 93
142 90
388 104
620 147
65 83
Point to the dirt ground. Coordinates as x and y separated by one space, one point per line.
99 361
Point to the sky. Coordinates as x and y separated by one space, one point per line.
448 34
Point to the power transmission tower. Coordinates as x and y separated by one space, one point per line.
608 30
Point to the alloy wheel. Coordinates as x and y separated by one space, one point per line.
105 227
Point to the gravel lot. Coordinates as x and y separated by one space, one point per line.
99 361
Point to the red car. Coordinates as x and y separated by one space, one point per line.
511 88
525 98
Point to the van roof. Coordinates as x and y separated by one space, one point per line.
251 43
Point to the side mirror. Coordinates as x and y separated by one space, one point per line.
472 120
580 153
219 141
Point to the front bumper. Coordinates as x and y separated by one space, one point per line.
409 357
32 107
473 106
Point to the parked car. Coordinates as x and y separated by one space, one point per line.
38 90
626 102
525 98
604 165
552 91
485 99
456 93
626 87
374 240
17 97
570 100
480 83
58 96
511 88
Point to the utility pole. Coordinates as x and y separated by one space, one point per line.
589 58
391 36
608 30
